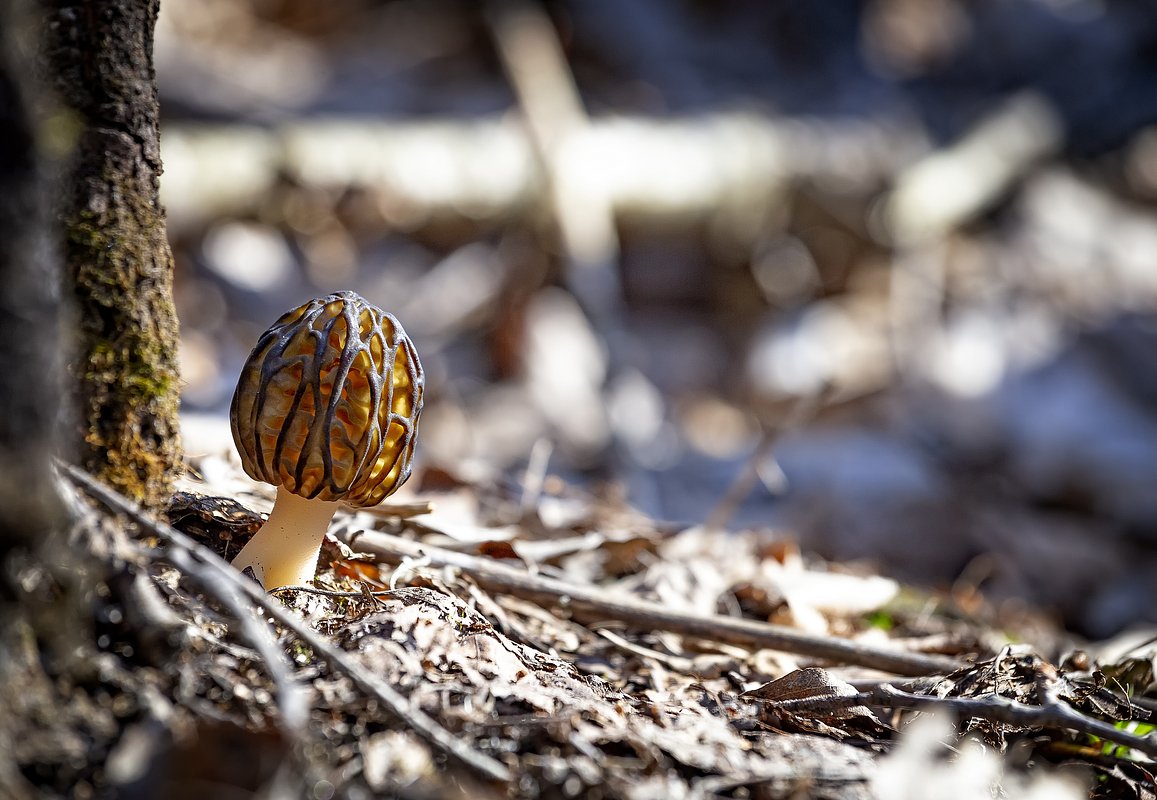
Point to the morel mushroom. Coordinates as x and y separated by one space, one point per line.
326 410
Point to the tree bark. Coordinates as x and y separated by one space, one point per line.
117 260
29 291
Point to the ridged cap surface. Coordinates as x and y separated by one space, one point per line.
327 404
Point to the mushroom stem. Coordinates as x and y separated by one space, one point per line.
284 551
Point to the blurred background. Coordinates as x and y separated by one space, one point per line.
880 275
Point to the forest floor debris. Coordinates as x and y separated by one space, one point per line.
409 673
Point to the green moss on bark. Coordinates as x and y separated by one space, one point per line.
117 257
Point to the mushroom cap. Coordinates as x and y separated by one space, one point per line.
327 403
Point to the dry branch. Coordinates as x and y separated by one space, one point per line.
946 189
600 604
555 118
1052 711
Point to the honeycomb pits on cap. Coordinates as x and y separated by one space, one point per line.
326 410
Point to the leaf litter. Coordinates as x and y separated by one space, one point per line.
547 695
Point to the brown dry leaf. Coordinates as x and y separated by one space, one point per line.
498 549
814 682
350 570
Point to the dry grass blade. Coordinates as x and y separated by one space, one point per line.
201 562
591 601
800 412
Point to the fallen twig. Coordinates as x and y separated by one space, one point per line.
800 412
292 700
680 664
595 603
215 573
1051 712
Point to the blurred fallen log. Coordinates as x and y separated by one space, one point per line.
734 165
953 185
592 602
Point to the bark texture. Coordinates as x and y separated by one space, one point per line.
117 257
29 340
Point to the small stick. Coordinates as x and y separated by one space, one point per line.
801 411
375 593
680 664
595 603
1053 712
202 560
535 476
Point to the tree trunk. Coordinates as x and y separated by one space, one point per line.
117 258
29 291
